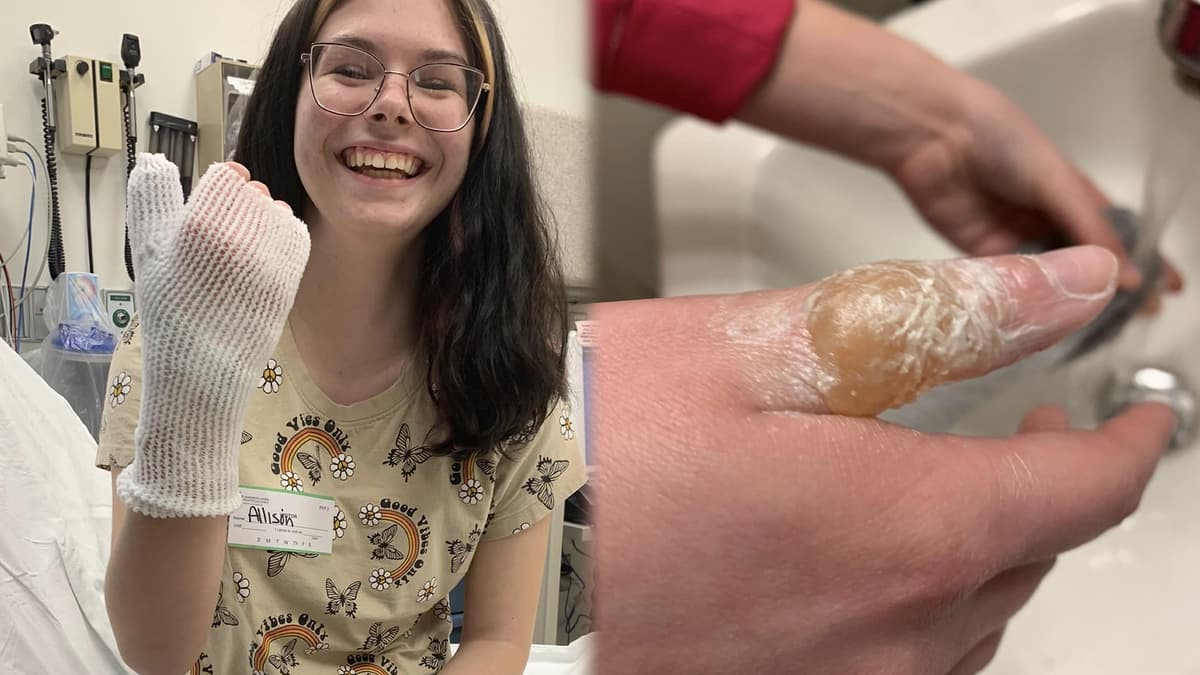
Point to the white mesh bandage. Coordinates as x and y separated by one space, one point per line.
216 278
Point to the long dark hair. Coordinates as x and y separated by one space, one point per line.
491 303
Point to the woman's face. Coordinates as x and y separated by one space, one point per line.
387 202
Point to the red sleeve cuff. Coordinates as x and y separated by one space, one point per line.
704 57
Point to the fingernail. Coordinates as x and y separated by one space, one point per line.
1082 272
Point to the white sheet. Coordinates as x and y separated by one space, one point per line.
56 511
574 659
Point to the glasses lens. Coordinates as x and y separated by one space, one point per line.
344 79
444 95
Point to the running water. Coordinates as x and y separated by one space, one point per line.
1172 166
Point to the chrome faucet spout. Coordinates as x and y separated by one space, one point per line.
1179 35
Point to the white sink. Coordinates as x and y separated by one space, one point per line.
772 214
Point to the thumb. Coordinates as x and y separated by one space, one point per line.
872 337
153 206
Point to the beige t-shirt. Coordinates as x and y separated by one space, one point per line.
405 528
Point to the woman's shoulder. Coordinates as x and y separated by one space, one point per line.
535 477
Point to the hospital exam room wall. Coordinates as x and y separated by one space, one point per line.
173 36
546 47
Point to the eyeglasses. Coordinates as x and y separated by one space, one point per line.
347 81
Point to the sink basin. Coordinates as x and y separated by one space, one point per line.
773 214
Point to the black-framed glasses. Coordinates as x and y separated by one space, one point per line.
347 81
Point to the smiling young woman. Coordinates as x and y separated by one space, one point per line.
372 365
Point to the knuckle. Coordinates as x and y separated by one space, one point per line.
240 169
910 657
1127 493
946 567
1126 505
951 552
939 585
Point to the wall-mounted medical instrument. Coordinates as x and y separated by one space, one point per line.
46 68
89 107
223 87
131 57
81 109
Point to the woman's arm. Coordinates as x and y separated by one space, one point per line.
844 84
972 163
161 586
503 587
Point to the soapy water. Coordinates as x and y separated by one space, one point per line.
878 336
890 331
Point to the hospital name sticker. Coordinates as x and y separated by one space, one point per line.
280 520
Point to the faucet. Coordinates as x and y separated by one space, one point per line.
1179 36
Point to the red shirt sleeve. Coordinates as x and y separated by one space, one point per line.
703 57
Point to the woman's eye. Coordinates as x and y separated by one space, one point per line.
356 72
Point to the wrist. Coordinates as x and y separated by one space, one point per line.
182 468
845 84
940 129
935 112
159 486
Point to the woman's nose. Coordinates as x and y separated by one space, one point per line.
392 102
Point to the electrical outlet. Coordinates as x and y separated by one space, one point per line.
33 329
36 327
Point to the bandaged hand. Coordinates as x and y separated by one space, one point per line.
755 513
216 278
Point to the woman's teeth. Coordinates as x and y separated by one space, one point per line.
381 164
